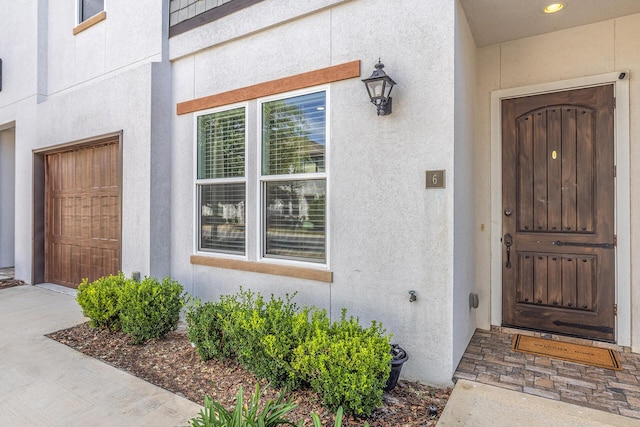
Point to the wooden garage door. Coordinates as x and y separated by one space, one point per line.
82 211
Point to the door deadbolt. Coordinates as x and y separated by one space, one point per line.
508 212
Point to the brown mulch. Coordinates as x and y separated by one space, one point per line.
10 283
173 364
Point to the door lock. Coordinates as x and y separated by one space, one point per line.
508 212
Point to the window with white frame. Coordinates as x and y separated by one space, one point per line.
89 8
290 187
221 182
293 177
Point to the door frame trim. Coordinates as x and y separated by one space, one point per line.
622 197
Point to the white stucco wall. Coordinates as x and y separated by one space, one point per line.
121 102
388 234
18 51
7 197
130 34
465 226
603 47
59 88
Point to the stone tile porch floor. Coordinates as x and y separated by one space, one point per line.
489 359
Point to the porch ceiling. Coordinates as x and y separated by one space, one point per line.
497 21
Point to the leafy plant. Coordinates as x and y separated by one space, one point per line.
150 309
205 325
99 301
215 415
338 422
264 335
346 364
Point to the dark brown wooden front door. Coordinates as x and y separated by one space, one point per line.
558 255
82 211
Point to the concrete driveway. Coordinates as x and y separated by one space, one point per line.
45 383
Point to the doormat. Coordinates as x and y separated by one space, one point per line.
576 353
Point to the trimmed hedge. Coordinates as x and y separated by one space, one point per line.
205 325
150 309
345 363
99 301
144 310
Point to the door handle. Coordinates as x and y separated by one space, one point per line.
508 241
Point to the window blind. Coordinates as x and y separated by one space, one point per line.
295 219
221 144
222 217
293 144
221 185
294 135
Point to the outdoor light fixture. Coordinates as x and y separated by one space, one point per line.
379 86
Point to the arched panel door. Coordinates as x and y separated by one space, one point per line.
558 241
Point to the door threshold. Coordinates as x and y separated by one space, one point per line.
563 338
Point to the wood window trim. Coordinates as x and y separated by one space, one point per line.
331 74
260 267
98 17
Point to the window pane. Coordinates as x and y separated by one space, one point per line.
295 219
222 217
90 8
221 141
294 135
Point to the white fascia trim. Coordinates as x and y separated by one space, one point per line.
623 190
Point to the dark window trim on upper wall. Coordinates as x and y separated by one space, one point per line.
210 16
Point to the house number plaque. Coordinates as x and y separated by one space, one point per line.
435 179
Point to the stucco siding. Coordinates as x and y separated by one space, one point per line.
18 47
388 235
254 19
7 197
130 34
60 88
627 33
465 225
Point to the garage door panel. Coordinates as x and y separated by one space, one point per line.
82 227
104 218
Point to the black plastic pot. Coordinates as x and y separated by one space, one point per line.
398 357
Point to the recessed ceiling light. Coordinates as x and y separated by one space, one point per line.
553 7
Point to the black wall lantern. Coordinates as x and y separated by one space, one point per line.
379 86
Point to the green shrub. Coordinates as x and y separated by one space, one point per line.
205 325
216 415
150 309
346 364
264 335
99 301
